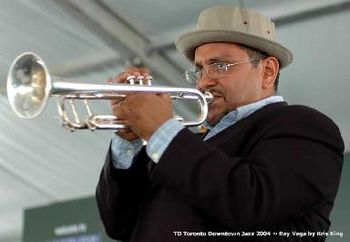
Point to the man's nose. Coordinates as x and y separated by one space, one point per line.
205 82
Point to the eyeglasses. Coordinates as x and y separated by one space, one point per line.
213 70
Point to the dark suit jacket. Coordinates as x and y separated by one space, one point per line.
277 170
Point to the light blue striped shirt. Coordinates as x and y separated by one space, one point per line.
124 151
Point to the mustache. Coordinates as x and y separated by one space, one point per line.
214 91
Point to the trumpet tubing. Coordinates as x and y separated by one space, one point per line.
29 85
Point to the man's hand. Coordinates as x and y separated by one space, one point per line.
122 78
144 113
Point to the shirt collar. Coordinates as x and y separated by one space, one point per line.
240 113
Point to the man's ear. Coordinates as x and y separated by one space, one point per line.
270 71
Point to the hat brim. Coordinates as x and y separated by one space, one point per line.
188 42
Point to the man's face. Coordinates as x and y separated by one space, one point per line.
240 85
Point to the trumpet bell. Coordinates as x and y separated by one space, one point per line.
28 85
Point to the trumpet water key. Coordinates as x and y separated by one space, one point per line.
29 85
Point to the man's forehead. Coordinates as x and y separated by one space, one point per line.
211 52
214 58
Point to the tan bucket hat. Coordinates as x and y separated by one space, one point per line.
233 24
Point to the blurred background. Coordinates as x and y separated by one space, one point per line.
91 40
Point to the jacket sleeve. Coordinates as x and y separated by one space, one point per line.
119 195
292 167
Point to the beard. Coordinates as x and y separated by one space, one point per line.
216 111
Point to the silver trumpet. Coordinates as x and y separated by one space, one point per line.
29 85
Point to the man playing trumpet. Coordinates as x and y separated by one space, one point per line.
264 169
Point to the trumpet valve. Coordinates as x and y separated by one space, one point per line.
140 80
149 80
131 79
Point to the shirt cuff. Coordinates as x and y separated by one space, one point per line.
161 139
123 151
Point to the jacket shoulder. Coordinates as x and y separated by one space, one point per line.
303 121
303 114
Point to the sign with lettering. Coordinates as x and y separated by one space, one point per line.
70 221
